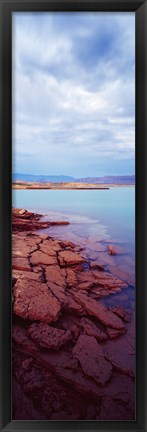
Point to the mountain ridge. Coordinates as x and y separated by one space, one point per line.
126 179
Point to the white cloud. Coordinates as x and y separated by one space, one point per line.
63 106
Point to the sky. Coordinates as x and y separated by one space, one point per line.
73 93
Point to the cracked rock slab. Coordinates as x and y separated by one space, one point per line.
40 258
33 300
19 263
71 258
96 309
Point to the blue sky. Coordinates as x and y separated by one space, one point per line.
74 93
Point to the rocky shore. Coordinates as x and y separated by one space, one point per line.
73 357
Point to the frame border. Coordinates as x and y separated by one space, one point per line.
140 9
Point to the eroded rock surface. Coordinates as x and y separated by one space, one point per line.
33 300
49 337
91 357
73 356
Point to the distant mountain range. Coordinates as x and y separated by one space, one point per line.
41 178
109 180
65 179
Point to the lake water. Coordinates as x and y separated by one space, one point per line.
94 215
108 212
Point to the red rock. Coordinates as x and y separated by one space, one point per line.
121 354
47 248
100 279
94 308
67 244
20 337
90 355
91 329
115 250
20 264
49 337
96 265
114 333
111 250
55 278
61 261
38 258
63 366
34 301
71 278
73 306
55 275
27 275
100 247
108 281
122 313
22 212
59 293
71 258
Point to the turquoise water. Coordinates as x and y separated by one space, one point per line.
108 212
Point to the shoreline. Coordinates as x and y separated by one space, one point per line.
65 186
57 315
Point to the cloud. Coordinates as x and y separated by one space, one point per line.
73 93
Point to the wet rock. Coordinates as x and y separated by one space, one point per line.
121 354
34 301
91 329
67 244
114 333
49 337
90 355
116 250
100 279
96 265
94 308
108 281
40 258
122 313
71 258
111 250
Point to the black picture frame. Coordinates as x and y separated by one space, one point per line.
140 9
